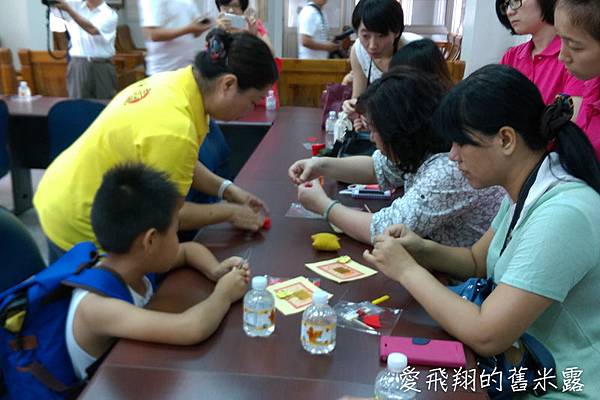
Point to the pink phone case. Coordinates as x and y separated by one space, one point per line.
421 351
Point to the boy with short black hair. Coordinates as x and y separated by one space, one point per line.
135 219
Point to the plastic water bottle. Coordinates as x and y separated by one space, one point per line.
271 101
319 321
24 93
389 382
259 309
329 129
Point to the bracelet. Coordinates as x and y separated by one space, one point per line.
328 209
224 185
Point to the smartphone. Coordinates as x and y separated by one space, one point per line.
203 21
237 21
371 194
423 351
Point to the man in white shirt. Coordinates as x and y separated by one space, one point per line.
172 29
92 26
312 32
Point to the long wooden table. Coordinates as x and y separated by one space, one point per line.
29 145
230 365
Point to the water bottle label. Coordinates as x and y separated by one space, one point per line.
318 335
260 319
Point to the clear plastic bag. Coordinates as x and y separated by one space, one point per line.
353 316
297 210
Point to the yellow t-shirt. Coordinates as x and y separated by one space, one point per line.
159 121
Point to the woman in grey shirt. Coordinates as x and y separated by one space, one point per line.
438 201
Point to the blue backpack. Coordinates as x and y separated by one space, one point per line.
33 314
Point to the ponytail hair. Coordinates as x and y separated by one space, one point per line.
496 96
576 153
241 54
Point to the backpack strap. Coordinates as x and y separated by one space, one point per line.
100 280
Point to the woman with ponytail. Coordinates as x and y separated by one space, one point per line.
543 248
162 121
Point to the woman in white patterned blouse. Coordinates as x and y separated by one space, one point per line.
438 201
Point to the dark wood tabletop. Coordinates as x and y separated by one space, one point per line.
230 365
39 106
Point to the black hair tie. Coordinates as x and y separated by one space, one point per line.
556 116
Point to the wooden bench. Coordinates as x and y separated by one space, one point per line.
47 75
301 82
8 76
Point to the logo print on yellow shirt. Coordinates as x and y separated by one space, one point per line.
138 95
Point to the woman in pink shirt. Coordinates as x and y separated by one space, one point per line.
577 23
538 58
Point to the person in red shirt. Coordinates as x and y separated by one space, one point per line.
537 58
578 25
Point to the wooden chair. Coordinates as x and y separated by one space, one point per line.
124 42
8 76
130 68
302 82
48 76
44 74
457 70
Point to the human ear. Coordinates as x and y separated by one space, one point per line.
228 83
507 139
149 239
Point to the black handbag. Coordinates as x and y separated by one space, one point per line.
356 144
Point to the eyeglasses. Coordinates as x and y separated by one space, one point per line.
513 4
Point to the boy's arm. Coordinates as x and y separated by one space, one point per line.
197 256
107 317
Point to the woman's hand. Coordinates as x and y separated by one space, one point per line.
252 25
312 196
360 123
349 106
412 242
235 194
305 170
244 217
390 257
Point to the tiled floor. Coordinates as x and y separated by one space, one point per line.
29 217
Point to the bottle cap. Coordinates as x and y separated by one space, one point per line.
332 114
259 282
316 148
396 362
319 297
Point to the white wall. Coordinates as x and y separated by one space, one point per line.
485 40
22 25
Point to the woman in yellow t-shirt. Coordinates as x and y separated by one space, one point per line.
162 121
